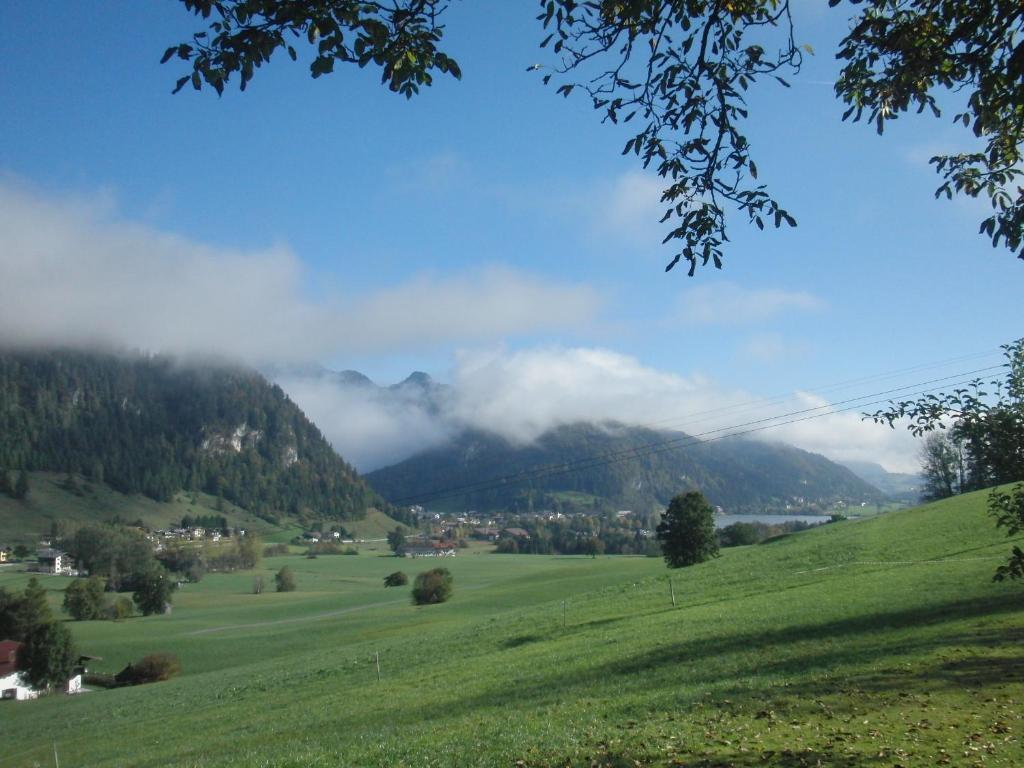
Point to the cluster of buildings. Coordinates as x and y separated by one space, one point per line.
161 536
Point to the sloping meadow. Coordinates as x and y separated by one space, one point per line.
875 642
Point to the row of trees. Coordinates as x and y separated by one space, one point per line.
121 559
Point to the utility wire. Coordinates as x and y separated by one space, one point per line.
781 398
749 427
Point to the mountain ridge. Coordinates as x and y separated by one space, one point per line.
157 425
614 466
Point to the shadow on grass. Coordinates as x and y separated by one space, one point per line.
794 652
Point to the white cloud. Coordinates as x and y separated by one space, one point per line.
491 303
521 394
728 304
73 273
364 425
848 437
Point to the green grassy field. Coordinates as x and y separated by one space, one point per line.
878 642
22 522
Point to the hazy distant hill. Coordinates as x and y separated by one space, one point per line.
154 426
615 466
897 485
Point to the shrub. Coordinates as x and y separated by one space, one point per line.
434 586
153 668
285 580
739 535
83 598
324 548
120 609
396 579
273 550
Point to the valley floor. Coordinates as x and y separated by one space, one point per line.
880 642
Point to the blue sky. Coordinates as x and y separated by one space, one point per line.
487 219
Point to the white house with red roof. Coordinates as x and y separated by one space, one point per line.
12 686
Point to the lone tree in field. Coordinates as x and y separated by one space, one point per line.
285 579
433 586
396 579
396 540
687 531
153 591
83 598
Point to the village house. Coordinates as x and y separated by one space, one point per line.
14 687
11 684
52 561
420 548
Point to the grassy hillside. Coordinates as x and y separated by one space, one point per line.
49 500
877 642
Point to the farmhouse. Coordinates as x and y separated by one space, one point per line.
11 684
429 549
14 688
53 561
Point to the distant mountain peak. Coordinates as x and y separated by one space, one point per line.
416 379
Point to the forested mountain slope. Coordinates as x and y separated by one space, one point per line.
617 466
153 425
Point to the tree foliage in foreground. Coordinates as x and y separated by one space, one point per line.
687 531
987 419
681 69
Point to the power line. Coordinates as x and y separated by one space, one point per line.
756 425
781 398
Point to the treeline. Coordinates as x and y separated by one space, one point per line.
124 558
585 535
154 426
